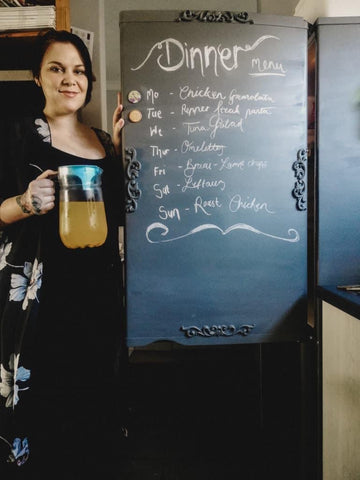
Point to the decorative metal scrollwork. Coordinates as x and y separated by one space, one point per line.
299 190
216 331
132 174
214 16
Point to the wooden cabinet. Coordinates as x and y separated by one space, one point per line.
62 15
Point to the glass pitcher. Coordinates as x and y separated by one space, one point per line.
82 219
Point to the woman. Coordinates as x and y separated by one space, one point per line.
60 308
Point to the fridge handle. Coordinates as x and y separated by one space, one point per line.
210 16
299 190
133 168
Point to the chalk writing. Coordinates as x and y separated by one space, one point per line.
259 164
192 166
267 67
159 152
192 111
201 183
153 113
194 127
161 190
217 122
164 213
238 202
186 93
201 205
227 164
152 95
190 146
155 131
176 55
234 96
258 111
159 171
203 113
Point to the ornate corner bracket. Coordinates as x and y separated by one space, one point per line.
214 16
133 168
299 190
216 331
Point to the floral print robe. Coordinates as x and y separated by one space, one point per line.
21 278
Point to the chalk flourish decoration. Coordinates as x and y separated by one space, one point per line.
292 238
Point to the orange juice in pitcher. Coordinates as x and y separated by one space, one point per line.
82 218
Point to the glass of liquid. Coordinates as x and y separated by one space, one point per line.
82 219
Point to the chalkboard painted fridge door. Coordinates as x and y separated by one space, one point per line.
215 150
338 149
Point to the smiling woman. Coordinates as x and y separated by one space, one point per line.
60 308
62 79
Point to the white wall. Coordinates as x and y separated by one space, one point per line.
278 7
311 10
89 15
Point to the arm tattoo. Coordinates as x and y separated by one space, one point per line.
36 204
23 208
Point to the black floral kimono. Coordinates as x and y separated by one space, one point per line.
60 315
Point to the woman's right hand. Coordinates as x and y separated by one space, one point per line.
39 197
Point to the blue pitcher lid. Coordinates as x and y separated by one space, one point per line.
79 175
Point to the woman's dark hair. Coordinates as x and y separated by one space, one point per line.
43 42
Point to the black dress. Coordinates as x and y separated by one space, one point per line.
61 317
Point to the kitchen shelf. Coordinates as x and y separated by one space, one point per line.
62 22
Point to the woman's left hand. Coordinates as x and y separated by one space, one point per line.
118 123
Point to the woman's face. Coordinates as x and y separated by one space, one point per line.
63 79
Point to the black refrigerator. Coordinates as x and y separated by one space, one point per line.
336 46
215 146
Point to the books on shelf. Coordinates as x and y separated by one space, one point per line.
27 16
25 3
